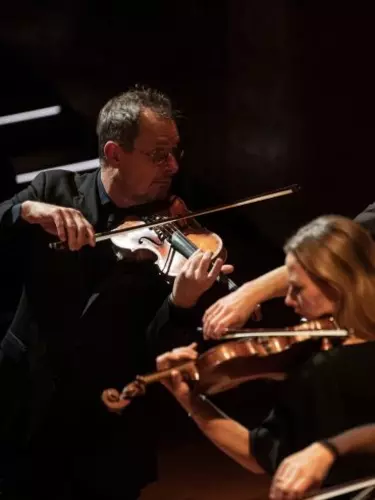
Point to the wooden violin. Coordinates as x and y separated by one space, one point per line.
171 237
169 245
294 188
266 354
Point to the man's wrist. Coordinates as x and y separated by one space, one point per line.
180 304
24 210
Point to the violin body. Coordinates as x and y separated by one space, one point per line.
168 246
268 357
240 361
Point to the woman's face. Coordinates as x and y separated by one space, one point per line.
303 294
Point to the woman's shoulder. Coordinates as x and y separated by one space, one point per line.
356 351
340 359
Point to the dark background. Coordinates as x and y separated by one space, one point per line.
272 92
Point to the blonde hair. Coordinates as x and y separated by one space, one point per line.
339 256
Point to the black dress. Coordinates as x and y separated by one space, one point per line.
332 392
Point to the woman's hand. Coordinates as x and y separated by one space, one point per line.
301 472
235 309
231 311
175 382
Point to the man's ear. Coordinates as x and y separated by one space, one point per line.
112 152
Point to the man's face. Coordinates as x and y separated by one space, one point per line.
147 171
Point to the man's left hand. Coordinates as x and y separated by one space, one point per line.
196 277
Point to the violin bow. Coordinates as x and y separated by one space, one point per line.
294 188
342 489
233 333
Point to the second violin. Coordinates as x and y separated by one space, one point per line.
265 354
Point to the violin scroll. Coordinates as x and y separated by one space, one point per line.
116 401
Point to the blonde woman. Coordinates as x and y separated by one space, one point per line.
330 270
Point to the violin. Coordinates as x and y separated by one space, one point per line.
173 236
265 354
170 244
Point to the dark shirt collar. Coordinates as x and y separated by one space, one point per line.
105 201
103 196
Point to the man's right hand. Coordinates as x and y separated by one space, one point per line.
68 224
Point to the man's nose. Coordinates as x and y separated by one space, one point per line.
171 165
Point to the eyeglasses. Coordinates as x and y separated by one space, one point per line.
161 156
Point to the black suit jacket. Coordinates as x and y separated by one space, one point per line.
54 282
59 284
65 360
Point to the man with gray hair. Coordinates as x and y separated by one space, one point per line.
83 316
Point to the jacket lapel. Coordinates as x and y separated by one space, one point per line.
87 199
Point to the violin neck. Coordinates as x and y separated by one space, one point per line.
182 245
151 378
186 248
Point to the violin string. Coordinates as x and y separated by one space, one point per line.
194 247
171 251
175 229
168 260
172 228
